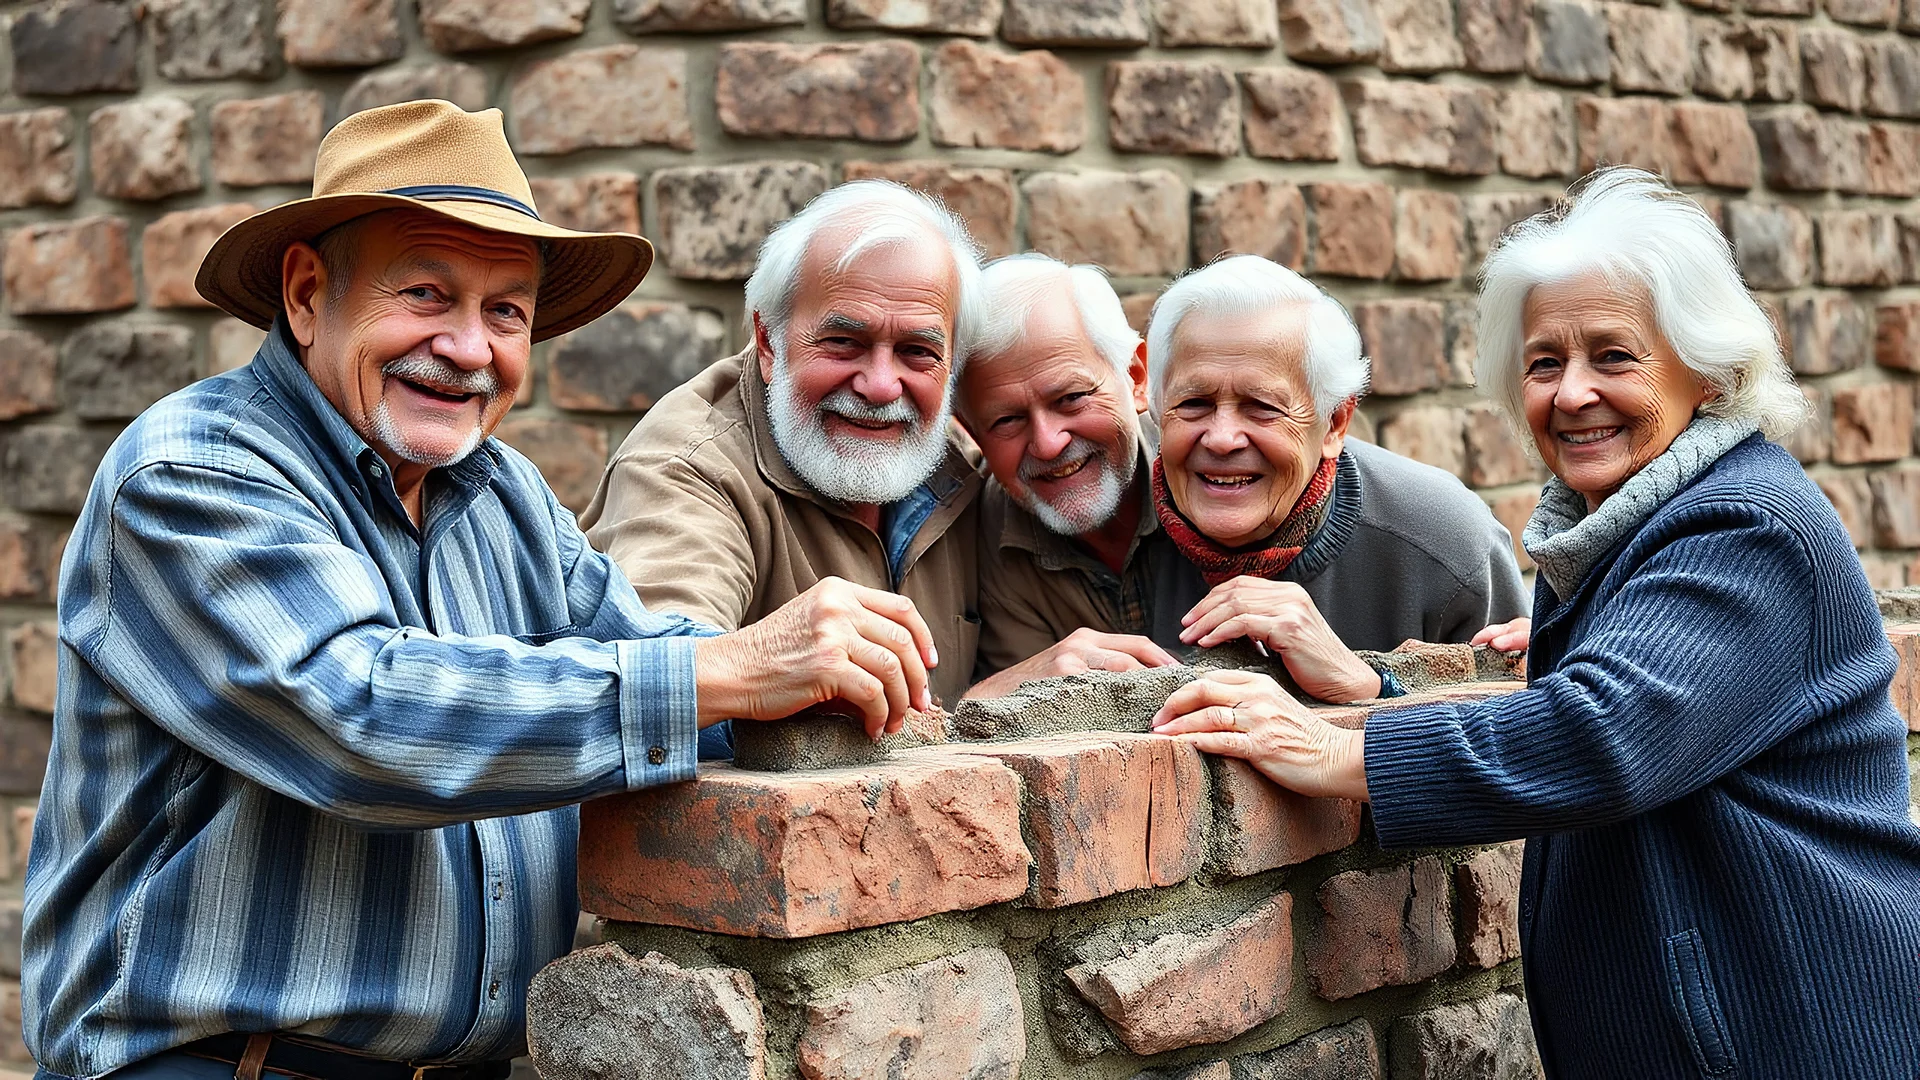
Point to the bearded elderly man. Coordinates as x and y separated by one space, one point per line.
334 664
824 446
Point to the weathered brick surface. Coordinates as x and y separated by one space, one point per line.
1713 145
462 84
1330 31
1493 34
45 468
1794 149
1513 512
1828 332
143 149
665 16
1833 69
1773 243
1489 1037
1892 160
340 33
1199 986
629 358
601 1012
1490 215
984 198
1407 340
1292 114
1159 107
709 222
1487 893
466 25
618 95
1077 22
868 90
1896 507
973 17
69 267
33 650
1250 217
1905 691
1871 13
1650 48
958 1016
1379 928
1722 66
1852 500
1445 128
1346 1052
113 370
1353 229
1128 223
1496 453
980 96
1259 825
196 40
172 248
1235 23
1775 50
75 48
1536 134
26 375
1872 423
270 140
1430 434
1813 440
1858 247
36 158
1893 77
1567 43
594 202
840 848
1418 36
1896 338
570 455
1624 131
1429 233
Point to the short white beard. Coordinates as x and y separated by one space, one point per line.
852 471
421 363
388 433
1087 510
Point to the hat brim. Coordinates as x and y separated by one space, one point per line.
585 275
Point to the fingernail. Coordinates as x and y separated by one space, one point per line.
933 655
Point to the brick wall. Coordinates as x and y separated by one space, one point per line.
1379 145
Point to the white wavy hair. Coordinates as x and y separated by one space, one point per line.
1336 369
1630 227
1012 287
886 214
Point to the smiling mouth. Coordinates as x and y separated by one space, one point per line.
449 396
1228 481
1587 438
876 426
1063 471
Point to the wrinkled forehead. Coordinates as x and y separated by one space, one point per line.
1230 349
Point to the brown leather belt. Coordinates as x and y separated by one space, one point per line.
309 1059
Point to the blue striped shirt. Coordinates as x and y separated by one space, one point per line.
313 768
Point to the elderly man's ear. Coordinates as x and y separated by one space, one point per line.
1137 375
763 349
1337 424
303 281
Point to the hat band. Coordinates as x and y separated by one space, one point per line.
462 193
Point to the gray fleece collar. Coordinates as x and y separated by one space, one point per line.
1565 541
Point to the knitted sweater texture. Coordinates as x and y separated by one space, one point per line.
1720 878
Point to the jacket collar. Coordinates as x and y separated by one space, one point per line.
1051 551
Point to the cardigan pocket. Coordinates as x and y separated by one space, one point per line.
1697 1005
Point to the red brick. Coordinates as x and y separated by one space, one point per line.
711 220
600 1011
1896 339
143 149
33 649
1872 423
1440 127
196 40
1896 507
340 33
1487 889
1848 144
1858 247
462 84
1568 43
976 18
955 1016
1029 100
465 25
231 344
270 140
632 356
1407 341
171 250
983 198
1722 67
615 96
1893 77
839 90
26 375
1624 131
1163 107
1812 440
1773 243
1230 23
1892 153
1829 332
1795 149
1430 434
1536 134
1712 144
69 267
1250 217
22 839
570 455
1196 986
1491 215
37 165
1833 69
1106 813
1852 500
1132 224
12 1047
1651 51
665 16
1330 31
1496 453
1775 50
596 202
1488 1036
22 563
833 849
1462 342
1906 676
1874 13
1391 927
1418 36
1493 35
1428 235
1353 228
1513 511
1085 22
1292 114
1259 825
76 48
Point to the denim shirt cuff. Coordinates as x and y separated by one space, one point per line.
659 726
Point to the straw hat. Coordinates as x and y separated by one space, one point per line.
430 155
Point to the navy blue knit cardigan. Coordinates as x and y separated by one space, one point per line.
1720 877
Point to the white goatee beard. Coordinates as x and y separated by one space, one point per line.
422 366
854 470
1084 511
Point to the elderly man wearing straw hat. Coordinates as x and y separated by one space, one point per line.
335 665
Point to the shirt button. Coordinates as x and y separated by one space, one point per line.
493 991
376 469
657 755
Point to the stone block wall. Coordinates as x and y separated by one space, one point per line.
1379 145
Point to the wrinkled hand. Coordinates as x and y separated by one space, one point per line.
1281 616
836 640
1247 715
1081 651
1507 636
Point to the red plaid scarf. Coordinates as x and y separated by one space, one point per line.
1265 559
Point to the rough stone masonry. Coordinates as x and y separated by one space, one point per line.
1379 145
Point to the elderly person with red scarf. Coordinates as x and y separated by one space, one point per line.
1290 533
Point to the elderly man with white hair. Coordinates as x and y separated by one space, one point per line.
1720 876
823 448
1308 542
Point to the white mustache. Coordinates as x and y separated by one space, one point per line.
423 367
1079 448
844 402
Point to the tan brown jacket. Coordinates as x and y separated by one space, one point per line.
707 520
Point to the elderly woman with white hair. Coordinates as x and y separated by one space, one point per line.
1720 875
1289 533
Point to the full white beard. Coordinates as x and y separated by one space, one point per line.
853 470
1087 509
388 433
